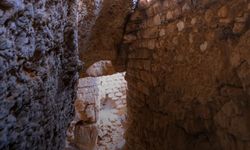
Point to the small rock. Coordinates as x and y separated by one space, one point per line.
2 30
151 44
180 26
11 119
242 18
8 53
238 27
203 46
143 4
22 22
185 7
162 32
193 21
3 113
12 26
5 44
225 20
191 38
1 13
175 40
223 12
22 39
209 15
169 15
29 11
129 38
157 20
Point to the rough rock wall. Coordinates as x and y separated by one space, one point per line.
189 75
101 29
88 12
38 72
100 113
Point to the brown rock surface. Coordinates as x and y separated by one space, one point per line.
100 34
192 90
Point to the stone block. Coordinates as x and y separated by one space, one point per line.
137 15
151 44
223 12
129 38
180 25
157 20
143 4
85 136
85 112
150 32
118 94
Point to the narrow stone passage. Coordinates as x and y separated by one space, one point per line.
63 64
100 114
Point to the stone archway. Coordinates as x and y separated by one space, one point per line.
100 119
101 31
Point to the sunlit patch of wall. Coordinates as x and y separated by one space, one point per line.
100 113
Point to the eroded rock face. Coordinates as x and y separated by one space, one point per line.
38 72
188 75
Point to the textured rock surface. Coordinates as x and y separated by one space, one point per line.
188 75
101 29
38 72
100 114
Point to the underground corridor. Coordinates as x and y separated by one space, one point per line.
124 75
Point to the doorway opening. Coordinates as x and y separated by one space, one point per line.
100 111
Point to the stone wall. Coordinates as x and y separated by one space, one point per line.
189 75
38 72
88 12
100 113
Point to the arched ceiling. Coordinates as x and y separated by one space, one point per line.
101 27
